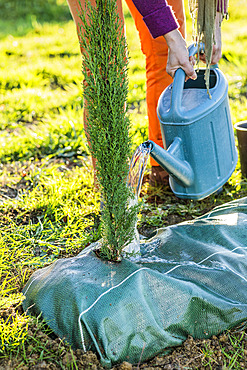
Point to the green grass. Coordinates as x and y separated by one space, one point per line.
48 206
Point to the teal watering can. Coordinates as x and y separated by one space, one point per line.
198 134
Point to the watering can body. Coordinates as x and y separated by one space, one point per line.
198 134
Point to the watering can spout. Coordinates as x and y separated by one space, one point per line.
173 162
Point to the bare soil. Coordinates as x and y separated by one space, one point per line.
216 353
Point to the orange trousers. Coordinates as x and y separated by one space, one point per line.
156 53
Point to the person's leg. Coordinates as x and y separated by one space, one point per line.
76 7
156 53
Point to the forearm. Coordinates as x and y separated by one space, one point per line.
157 15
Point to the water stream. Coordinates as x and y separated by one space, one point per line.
137 168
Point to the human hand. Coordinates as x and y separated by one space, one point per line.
216 54
178 56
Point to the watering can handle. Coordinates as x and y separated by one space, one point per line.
179 78
193 49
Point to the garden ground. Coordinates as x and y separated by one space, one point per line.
49 208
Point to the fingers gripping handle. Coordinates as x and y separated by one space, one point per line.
179 79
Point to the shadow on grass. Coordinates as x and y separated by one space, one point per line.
27 14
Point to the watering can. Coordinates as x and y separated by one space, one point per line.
197 132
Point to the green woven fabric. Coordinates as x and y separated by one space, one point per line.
190 279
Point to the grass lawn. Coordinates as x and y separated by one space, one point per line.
48 206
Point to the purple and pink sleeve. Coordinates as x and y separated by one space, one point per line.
158 16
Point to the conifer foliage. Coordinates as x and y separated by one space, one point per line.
105 93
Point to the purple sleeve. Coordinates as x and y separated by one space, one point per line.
157 15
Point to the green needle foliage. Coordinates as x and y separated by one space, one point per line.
105 95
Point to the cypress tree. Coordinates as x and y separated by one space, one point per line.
104 67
